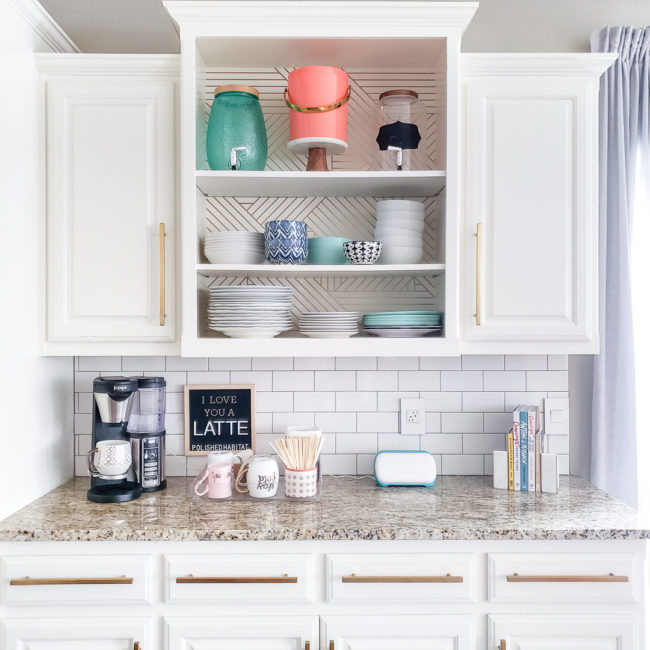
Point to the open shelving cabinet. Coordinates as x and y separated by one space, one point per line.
381 46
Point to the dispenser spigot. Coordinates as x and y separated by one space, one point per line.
400 154
234 163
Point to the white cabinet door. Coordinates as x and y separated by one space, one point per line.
531 204
562 632
440 632
110 191
89 633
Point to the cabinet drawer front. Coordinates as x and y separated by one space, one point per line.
433 577
568 577
76 580
255 577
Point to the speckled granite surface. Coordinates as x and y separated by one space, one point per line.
456 508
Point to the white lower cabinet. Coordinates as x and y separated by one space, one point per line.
562 632
92 632
241 633
438 632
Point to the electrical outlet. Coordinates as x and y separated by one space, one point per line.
412 417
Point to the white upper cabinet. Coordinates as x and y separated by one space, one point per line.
530 188
110 203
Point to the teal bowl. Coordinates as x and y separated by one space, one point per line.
326 250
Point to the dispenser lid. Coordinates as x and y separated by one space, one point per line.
151 382
237 88
119 385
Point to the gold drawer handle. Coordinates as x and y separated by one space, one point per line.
136 646
502 644
28 582
307 645
395 579
235 580
515 577
331 645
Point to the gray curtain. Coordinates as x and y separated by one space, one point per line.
624 134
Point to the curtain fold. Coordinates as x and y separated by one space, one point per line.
624 144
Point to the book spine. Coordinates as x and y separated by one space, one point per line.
531 451
538 462
511 470
523 436
516 450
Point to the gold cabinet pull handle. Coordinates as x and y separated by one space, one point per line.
29 582
515 577
502 644
395 579
235 580
307 645
479 248
161 236
136 645
331 645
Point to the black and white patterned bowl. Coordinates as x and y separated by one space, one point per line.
362 252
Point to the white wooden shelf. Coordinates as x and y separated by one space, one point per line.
304 184
295 345
316 270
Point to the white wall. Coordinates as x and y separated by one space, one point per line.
36 393
547 25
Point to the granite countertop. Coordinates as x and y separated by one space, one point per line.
456 508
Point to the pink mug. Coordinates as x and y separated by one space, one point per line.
216 481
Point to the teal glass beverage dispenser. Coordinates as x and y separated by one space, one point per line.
236 137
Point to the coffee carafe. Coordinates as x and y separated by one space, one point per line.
110 460
146 430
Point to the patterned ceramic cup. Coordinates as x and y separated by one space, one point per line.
215 481
300 483
109 458
285 242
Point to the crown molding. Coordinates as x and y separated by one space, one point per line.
536 64
44 25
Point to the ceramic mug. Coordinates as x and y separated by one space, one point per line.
215 482
262 476
300 483
110 458
226 457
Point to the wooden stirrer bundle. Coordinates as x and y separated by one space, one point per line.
299 453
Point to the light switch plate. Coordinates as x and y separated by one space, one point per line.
556 416
412 417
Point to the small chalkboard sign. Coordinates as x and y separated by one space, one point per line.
219 417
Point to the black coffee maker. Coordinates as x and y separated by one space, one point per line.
113 397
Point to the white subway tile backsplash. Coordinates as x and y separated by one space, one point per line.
428 380
462 464
336 422
379 380
314 363
462 422
482 362
440 363
526 361
483 443
186 363
356 363
507 380
479 402
356 402
269 402
293 380
555 380
356 443
398 363
272 363
461 380
229 363
442 401
335 380
314 401
378 422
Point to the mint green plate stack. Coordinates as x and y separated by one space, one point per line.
404 324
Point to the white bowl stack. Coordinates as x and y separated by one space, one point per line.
234 247
399 228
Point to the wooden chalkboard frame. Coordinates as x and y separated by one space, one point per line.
217 388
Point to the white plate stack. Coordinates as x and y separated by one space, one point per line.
234 247
250 311
399 228
329 324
